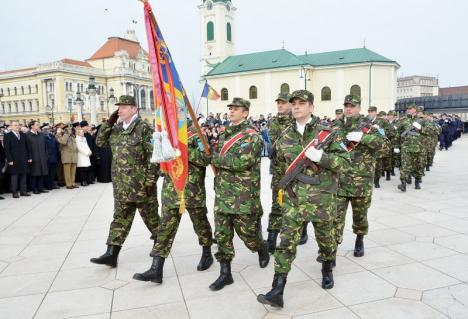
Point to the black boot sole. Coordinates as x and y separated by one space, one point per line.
98 262
228 282
155 280
329 285
263 299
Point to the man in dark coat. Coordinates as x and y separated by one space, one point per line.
103 161
18 157
53 157
2 164
38 153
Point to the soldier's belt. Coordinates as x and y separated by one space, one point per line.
306 179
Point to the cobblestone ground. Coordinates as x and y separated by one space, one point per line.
415 264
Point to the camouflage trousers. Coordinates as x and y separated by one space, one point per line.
276 215
359 205
246 228
291 230
389 163
412 164
170 220
430 157
124 212
379 167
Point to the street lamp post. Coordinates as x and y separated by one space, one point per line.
305 74
111 100
79 102
91 91
136 90
51 108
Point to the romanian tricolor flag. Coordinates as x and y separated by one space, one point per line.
210 93
170 103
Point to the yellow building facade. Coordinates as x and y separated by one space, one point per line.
60 91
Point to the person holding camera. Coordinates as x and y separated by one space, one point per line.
68 154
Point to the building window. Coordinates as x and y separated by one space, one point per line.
23 105
224 94
16 91
9 107
229 31
30 106
355 90
70 104
22 90
210 31
37 89
29 89
16 107
143 99
284 88
151 100
253 92
326 94
102 106
3 108
8 90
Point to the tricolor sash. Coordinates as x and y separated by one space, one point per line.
227 146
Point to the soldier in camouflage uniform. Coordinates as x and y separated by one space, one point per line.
195 203
237 162
392 159
133 176
410 144
379 156
390 134
311 196
276 129
434 132
338 121
355 185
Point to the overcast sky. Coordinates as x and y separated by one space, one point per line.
426 37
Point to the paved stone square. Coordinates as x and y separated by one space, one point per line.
416 262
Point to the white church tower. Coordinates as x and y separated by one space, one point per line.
217 32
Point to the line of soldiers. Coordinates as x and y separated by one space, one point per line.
339 167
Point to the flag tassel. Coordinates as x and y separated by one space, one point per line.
168 152
157 156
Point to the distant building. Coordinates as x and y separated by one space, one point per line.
48 92
417 86
455 90
260 76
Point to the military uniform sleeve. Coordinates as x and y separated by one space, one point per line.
335 158
373 140
102 139
197 154
247 155
152 170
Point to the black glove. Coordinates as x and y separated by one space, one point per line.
113 118
150 191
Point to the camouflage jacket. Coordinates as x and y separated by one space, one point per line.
131 153
237 180
277 127
195 192
357 180
394 128
408 138
325 180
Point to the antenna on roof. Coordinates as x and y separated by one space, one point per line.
364 43
283 45
305 52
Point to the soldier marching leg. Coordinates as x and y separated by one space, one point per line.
124 212
202 228
243 226
149 214
342 204
274 221
360 207
224 233
405 170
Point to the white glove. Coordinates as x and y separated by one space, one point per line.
376 126
417 125
396 150
314 154
354 136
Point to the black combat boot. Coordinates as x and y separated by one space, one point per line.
225 277
275 296
359 246
320 260
392 172
383 173
263 255
402 186
387 178
206 259
376 182
272 237
428 168
304 236
109 258
417 183
327 275
409 180
155 273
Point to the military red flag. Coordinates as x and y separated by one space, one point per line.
170 138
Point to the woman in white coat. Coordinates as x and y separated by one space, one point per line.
84 163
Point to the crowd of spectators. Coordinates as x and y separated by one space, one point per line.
37 158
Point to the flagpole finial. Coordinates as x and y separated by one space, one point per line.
143 1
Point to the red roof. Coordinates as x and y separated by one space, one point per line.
115 44
17 70
76 62
456 90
